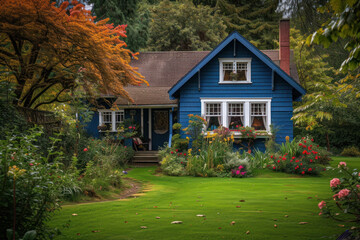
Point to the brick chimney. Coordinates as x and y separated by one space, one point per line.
284 40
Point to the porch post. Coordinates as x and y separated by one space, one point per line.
150 131
170 127
142 122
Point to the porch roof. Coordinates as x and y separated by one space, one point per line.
147 96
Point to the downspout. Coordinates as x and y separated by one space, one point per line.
171 123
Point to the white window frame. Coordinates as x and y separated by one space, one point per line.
113 118
234 61
221 111
246 106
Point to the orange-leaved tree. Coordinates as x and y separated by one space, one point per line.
44 49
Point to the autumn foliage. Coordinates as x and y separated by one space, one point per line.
48 50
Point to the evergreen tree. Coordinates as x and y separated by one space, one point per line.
181 26
257 21
125 12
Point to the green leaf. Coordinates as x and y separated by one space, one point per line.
30 235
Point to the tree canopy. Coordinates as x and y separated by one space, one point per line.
181 26
49 50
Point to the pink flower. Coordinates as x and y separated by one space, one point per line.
342 164
134 128
130 127
335 182
237 172
343 193
243 173
85 149
320 213
358 186
359 174
241 167
125 146
31 164
322 204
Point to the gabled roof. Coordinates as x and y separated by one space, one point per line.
235 35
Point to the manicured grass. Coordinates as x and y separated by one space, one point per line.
269 196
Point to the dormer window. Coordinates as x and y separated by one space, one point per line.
235 70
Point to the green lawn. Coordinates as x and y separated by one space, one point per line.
268 196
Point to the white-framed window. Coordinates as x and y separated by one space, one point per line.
235 70
235 115
254 112
111 119
213 113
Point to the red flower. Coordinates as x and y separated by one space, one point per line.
303 172
184 154
304 146
312 140
290 160
311 160
300 164
293 157
271 156
178 154
284 159
177 150
317 145
172 152
305 141
304 152
302 138
296 160
300 144
310 169
85 149
278 161
274 167
181 162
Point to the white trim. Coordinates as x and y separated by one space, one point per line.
235 61
142 121
247 109
113 118
150 131
148 106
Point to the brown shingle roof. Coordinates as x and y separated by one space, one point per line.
163 69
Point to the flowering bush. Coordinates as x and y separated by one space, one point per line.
239 172
346 197
299 157
32 181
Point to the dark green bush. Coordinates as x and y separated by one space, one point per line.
350 152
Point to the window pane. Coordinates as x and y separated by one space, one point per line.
119 118
213 122
235 121
227 70
258 109
236 109
258 123
107 120
213 109
241 70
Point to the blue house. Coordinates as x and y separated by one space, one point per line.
235 84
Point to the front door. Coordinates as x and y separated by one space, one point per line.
160 127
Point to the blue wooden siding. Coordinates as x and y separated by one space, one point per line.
261 87
91 127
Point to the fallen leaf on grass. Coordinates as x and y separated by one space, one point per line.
232 223
219 227
340 225
143 227
247 232
74 214
95 231
238 206
286 216
176 222
275 226
337 214
242 201
353 227
157 217
200 215
309 198
155 206
302 223
126 221
275 219
136 213
78 234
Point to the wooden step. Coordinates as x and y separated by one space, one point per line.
146 157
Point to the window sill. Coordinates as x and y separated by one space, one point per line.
235 82
238 134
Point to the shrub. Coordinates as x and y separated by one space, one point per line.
32 180
350 152
346 191
300 157
174 164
